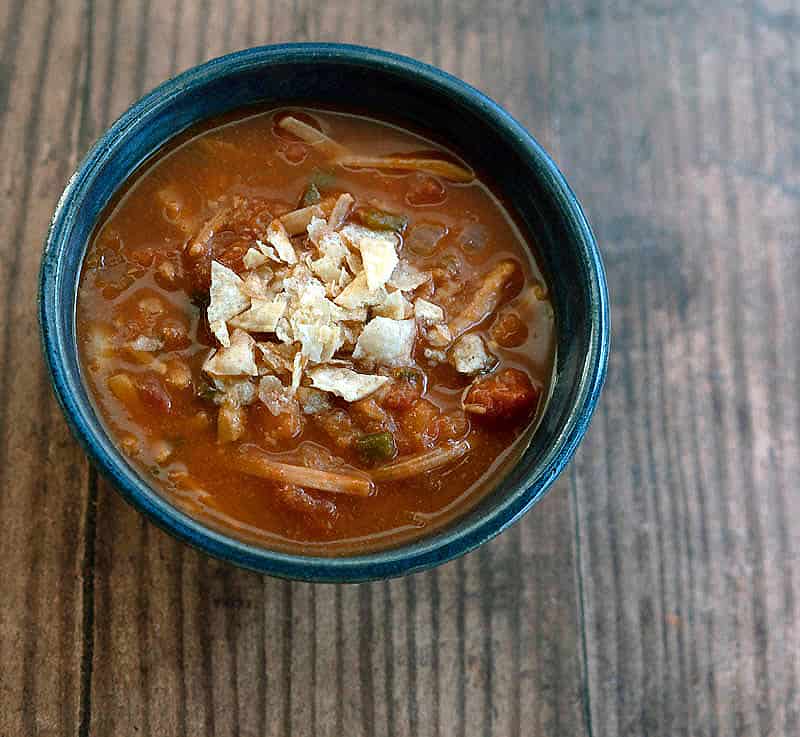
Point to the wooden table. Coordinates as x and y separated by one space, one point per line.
654 592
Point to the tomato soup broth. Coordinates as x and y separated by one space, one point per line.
314 330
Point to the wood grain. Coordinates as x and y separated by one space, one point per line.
678 124
108 626
43 499
654 592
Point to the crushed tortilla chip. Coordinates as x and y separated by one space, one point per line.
439 336
354 234
335 288
332 251
298 365
388 342
317 228
358 294
277 357
297 221
267 250
331 244
302 288
284 331
427 312
256 283
228 299
262 317
359 314
354 262
340 210
253 259
233 390
395 307
380 259
318 342
275 396
407 277
345 383
278 238
469 355
313 401
236 360
312 317
220 331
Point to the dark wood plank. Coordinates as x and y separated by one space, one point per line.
186 645
677 125
43 499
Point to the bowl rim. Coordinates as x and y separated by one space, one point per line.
409 557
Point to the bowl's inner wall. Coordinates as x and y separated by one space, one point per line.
525 184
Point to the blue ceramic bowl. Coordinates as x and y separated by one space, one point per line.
400 89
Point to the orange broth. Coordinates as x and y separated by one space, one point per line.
142 316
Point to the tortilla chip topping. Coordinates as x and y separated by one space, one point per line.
345 383
379 259
238 359
336 296
228 299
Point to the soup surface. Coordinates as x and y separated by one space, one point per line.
316 330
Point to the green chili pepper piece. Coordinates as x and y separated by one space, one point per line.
311 196
380 220
378 446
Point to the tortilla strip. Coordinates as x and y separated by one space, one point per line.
340 211
196 246
437 167
255 463
485 299
421 463
297 221
313 137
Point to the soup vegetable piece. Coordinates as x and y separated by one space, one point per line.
316 330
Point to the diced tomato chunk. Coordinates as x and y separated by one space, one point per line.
509 330
507 395
197 266
371 416
280 428
229 249
403 393
174 334
153 394
320 511
339 426
421 424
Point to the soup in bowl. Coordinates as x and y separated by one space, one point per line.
321 331
317 340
